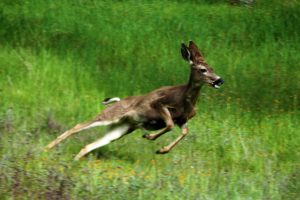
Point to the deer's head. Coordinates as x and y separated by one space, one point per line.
200 70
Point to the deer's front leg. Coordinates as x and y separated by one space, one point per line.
165 114
168 148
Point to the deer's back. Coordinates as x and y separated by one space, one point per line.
142 108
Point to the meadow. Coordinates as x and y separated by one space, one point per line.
60 59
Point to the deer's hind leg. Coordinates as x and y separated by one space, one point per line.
76 129
116 132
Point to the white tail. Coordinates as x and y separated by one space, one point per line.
110 100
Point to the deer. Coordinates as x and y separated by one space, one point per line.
159 110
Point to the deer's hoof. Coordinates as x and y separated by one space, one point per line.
47 148
162 151
77 158
148 136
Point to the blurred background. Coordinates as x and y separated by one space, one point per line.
60 59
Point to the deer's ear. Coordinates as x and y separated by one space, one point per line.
185 52
195 50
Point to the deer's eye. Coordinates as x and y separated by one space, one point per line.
203 70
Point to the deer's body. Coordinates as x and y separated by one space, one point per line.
141 110
160 109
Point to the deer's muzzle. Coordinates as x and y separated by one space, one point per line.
218 83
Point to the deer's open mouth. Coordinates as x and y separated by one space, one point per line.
217 83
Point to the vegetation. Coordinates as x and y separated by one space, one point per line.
59 59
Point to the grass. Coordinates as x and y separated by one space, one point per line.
58 60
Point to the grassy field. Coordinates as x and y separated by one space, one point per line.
59 59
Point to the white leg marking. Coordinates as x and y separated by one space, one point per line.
109 137
112 135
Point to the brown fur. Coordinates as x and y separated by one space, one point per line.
142 109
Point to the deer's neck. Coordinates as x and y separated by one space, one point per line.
193 89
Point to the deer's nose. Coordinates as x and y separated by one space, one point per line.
218 82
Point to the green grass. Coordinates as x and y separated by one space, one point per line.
58 60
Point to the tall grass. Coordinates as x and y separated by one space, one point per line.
58 60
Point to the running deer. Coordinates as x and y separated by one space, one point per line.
159 110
